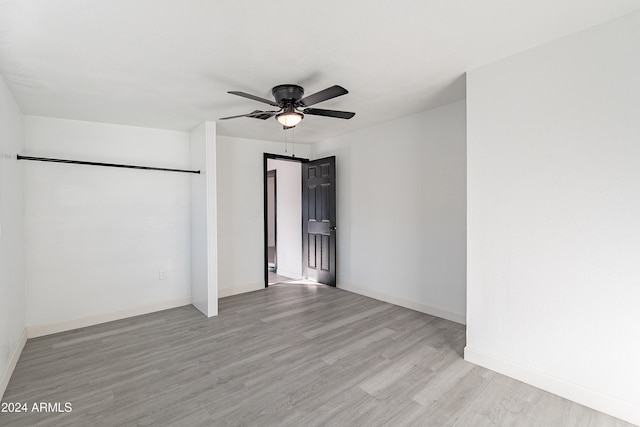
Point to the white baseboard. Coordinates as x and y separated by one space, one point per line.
12 361
227 292
35 331
615 407
434 311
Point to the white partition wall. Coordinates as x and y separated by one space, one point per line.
12 291
553 209
204 254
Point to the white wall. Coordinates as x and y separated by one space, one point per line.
553 229
97 237
240 211
12 292
289 216
402 210
204 248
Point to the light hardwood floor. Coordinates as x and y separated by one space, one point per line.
289 355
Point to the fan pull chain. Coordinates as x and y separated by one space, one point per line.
293 141
285 142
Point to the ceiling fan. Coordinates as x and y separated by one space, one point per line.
292 106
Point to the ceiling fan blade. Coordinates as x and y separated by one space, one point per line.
328 113
234 117
262 115
256 114
255 98
323 95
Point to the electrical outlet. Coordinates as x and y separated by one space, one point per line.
162 274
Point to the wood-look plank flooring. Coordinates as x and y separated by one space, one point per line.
289 355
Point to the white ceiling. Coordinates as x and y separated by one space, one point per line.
168 64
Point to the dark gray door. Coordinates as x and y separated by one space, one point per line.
319 220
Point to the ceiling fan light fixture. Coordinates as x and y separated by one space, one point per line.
289 119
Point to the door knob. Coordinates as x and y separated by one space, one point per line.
333 228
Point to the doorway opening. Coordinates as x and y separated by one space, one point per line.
283 218
272 224
299 219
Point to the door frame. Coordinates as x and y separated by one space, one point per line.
265 157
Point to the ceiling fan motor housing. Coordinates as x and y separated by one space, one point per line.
283 93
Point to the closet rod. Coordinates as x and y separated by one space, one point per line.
111 165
